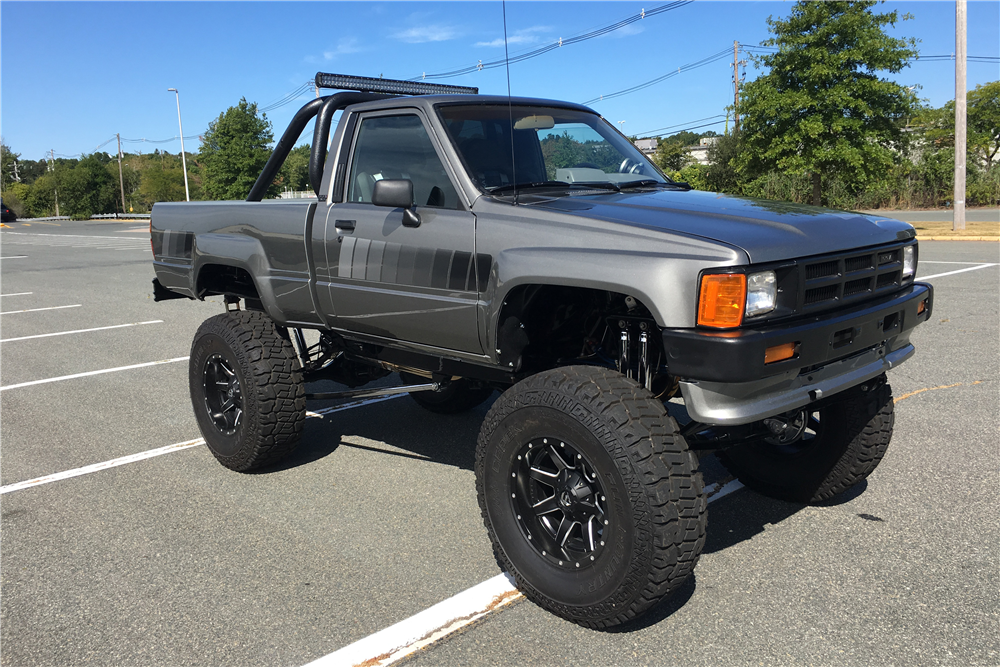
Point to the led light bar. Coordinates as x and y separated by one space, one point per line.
369 84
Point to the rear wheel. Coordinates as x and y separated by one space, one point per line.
246 389
822 452
589 494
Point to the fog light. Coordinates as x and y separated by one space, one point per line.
780 352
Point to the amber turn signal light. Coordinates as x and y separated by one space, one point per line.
922 307
721 300
780 352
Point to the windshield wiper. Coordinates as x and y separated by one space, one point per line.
646 182
528 186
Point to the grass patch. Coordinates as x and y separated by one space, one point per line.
943 228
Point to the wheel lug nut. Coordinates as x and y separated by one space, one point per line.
578 565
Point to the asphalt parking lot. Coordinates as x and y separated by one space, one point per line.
174 560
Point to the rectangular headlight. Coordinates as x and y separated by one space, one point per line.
762 293
909 261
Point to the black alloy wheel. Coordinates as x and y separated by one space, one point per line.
223 394
559 502
589 494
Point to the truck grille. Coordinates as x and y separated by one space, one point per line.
826 282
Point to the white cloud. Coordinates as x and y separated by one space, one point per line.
427 33
525 36
344 46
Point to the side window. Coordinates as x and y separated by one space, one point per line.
390 147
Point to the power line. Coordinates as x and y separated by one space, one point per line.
288 98
683 68
660 130
576 39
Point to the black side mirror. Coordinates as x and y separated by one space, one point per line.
397 193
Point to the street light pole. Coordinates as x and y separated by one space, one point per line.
187 193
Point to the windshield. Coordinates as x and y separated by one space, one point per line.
552 147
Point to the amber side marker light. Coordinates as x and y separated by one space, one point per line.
922 307
722 300
780 352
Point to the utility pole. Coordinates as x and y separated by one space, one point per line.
960 110
121 179
736 86
52 153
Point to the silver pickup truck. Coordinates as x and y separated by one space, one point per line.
476 244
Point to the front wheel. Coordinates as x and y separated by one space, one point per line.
839 445
589 494
246 389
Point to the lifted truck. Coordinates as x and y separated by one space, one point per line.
476 244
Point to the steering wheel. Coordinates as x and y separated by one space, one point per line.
630 166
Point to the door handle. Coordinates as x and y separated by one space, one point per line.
344 225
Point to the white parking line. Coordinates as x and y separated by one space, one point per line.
935 261
17 294
132 458
434 623
951 273
76 331
35 310
76 472
89 373
15 257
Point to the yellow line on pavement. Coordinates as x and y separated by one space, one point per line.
944 386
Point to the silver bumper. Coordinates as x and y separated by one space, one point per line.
744 402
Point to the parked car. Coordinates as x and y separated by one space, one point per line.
481 243
6 215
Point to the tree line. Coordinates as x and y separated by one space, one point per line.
233 152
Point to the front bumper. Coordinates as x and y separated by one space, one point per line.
725 381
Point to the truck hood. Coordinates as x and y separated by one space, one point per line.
766 230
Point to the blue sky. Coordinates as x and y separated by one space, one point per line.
73 74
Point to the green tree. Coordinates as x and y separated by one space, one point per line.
670 155
822 110
721 175
8 159
984 121
234 151
294 173
88 188
41 198
161 185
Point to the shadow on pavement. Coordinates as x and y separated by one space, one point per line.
407 430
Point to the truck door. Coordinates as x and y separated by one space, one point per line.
416 284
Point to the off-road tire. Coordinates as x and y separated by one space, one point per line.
655 502
458 396
268 388
855 430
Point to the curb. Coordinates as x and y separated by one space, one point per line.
958 238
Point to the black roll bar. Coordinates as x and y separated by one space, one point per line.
324 107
